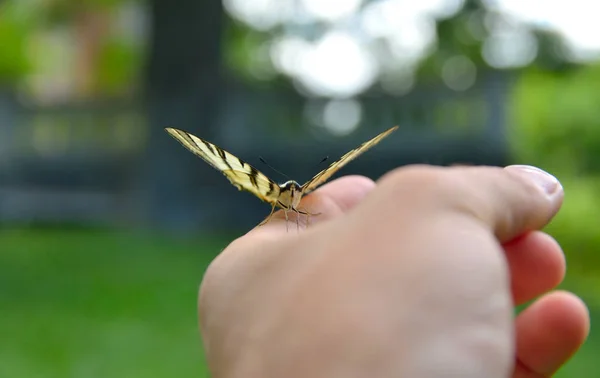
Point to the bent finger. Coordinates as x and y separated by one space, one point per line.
536 263
548 333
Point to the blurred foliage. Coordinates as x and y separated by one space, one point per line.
555 119
16 25
119 66
246 50
245 53
552 52
462 34
576 229
555 124
63 11
465 32
116 69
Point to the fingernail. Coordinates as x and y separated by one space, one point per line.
545 180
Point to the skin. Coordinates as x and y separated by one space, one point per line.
416 275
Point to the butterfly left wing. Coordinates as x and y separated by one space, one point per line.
241 174
325 174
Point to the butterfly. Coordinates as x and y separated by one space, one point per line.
245 177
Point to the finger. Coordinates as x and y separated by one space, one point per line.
537 265
331 200
548 333
340 195
508 201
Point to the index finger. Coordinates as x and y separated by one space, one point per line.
330 201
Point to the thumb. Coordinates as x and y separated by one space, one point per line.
510 201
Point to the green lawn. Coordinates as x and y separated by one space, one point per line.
100 304
86 304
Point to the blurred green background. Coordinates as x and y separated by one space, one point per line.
107 224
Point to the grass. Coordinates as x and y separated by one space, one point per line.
86 304
100 304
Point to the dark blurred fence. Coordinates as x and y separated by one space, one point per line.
67 163
79 162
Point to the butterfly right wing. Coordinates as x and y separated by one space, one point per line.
325 174
241 174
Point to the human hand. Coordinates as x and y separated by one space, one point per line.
415 276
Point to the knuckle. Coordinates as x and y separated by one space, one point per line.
491 194
459 190
413 177
430 183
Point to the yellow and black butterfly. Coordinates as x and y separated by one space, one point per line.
245 177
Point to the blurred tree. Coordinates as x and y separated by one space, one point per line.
555 124
552 53
183 88
475 31
461 34
15 30
106 63
556 120
475 24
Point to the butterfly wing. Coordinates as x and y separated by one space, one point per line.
241 174
325 174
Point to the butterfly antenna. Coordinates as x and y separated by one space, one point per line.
268 165
323 160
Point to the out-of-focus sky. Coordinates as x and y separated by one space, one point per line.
340 63
576 20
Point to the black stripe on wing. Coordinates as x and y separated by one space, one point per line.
241 174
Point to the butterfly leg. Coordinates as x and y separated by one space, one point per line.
285 211
268 217
297 219
308 215
304 212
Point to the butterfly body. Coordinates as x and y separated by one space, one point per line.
290 194
245 177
